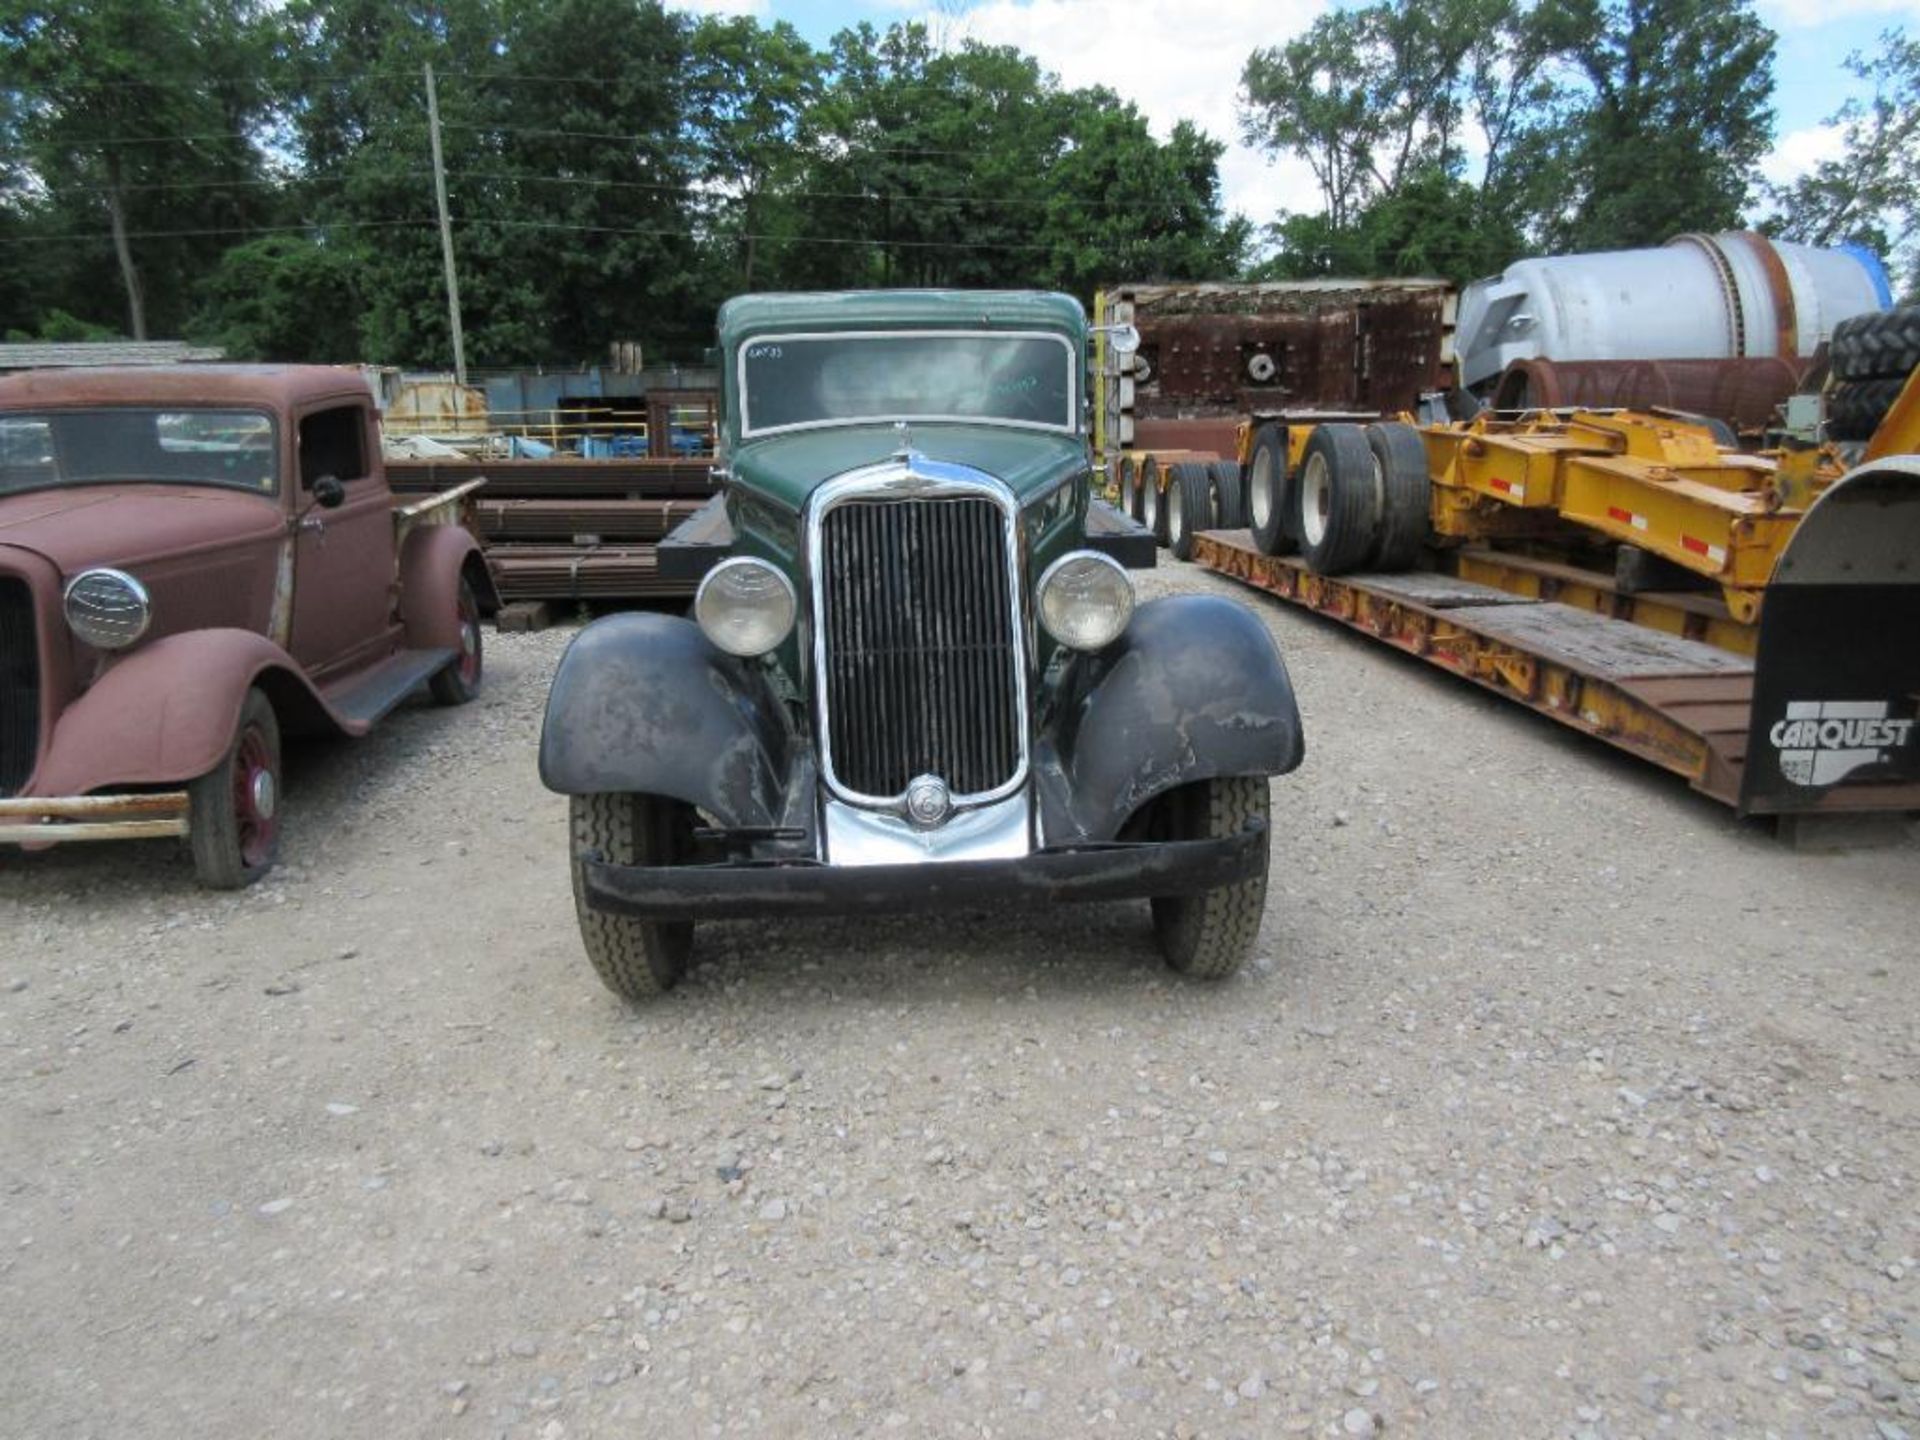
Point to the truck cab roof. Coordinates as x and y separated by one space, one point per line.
267 387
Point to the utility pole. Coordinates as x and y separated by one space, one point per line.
446 233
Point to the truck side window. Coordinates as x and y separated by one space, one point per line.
333 442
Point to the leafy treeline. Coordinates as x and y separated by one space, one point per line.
259 174
256 173
1447 137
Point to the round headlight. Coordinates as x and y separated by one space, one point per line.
745 606
108 609
1085 600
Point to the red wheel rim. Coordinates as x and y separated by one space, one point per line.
469 663
256 798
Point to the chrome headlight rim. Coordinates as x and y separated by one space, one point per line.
709 590
1077 558
82 626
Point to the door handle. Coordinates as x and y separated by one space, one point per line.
313 525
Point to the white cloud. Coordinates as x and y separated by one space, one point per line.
756 8
1173 62
1799 151
1813 14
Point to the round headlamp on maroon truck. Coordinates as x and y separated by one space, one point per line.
108 609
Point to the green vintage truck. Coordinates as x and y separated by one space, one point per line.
915 677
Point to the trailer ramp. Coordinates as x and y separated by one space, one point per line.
1679 703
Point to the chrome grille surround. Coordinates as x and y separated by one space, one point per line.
19 684
911 478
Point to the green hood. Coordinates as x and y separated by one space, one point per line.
783 470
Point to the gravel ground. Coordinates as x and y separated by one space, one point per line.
1557 1103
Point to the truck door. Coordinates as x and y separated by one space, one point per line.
343 568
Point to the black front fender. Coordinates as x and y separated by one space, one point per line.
647 704
1194 690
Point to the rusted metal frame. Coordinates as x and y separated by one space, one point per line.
1591 704
40 820
1693 617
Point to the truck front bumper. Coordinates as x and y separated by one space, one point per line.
37 821
1119 871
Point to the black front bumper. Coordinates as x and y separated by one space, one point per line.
1092 872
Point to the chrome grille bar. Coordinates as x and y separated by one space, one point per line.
19 685
920 663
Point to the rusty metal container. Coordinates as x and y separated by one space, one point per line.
1744 393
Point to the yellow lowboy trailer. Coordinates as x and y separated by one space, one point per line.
1764 641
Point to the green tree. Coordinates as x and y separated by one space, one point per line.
1870 194
1675 115
281 297
749 90
138 124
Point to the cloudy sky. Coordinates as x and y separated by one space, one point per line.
1177 61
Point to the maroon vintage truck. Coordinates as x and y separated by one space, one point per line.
193 562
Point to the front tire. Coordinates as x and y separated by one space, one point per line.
1210 935
636 959
459 680
233 811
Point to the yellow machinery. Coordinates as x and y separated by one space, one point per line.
1769 650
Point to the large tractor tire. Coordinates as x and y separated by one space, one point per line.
1130 487
1269 499
1189 506
1405 495
1336 500
1856 408
1881 345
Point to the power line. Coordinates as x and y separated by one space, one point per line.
428 221
241 230
958 197
744 235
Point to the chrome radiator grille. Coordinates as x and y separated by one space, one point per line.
19 685
921 648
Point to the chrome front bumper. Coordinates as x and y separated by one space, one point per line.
36 821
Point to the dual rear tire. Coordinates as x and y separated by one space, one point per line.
1360 497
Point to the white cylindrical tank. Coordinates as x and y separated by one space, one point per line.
1698 297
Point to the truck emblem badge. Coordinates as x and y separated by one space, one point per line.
928 801
1823 741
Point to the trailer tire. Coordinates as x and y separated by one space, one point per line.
1882 344
1268 501
1229 504
1336 502
1189 506
1153 499
1210 935
1130 487
1855 409
1405 495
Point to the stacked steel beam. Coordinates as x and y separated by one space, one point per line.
572 529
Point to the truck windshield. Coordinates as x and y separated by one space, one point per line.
794 382
106 446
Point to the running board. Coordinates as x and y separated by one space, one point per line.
372 693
